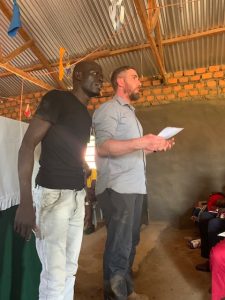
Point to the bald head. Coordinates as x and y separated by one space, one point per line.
87 76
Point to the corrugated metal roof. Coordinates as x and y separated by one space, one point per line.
83 26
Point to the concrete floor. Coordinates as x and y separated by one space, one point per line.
164 267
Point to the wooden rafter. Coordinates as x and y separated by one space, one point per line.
109 53
8 13
17 51
93 56
193 36
141 10
158 35
25 76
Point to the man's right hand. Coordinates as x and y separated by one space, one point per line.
153 142
25 221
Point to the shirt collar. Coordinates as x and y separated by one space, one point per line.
121 101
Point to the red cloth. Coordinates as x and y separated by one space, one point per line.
211 204
217 262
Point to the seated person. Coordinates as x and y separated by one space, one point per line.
89 200
217 264
210 225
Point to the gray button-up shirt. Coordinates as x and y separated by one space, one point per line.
116 120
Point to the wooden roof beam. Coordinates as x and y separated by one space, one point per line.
8 13
25 76
108 53
141 10
17 51
158 35
94 55
193 36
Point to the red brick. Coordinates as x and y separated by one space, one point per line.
97 106
203 92
177 88
2 105
167 90
172 80
200 85
147 83
222 82
14 115
195 78
189 73
141 100
90 107
183 79
103 99
146 92
106 84
194 92
200 70
207 75
142 79
94 101
7 104
156 82
157 91
5 111
108 90
213 92
160 97
150 98
219 74
38 94
211 83
182 94
178 74
188 86
171 96
214 68
8 115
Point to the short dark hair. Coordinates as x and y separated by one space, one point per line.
116 73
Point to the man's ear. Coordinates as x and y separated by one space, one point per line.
120 81
78 75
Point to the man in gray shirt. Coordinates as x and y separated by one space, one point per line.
120 187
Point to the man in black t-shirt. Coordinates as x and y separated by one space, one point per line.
62 125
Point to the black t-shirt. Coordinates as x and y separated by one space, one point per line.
63 147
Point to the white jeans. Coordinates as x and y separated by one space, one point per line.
60 222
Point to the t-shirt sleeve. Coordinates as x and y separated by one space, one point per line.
105 122
49 107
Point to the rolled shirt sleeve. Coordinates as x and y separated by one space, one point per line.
105 122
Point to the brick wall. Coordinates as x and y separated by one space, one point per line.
201 83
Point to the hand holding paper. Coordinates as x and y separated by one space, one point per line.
169 132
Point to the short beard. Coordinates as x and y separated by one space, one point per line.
134 96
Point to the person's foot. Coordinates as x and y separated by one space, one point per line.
135 296
205 267
89 229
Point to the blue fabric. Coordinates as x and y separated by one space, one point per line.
122 214
15 22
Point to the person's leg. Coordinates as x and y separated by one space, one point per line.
204 219
74 239
118 210
135 238
53 212
217 262
215 226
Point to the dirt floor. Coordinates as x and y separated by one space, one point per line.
164 267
